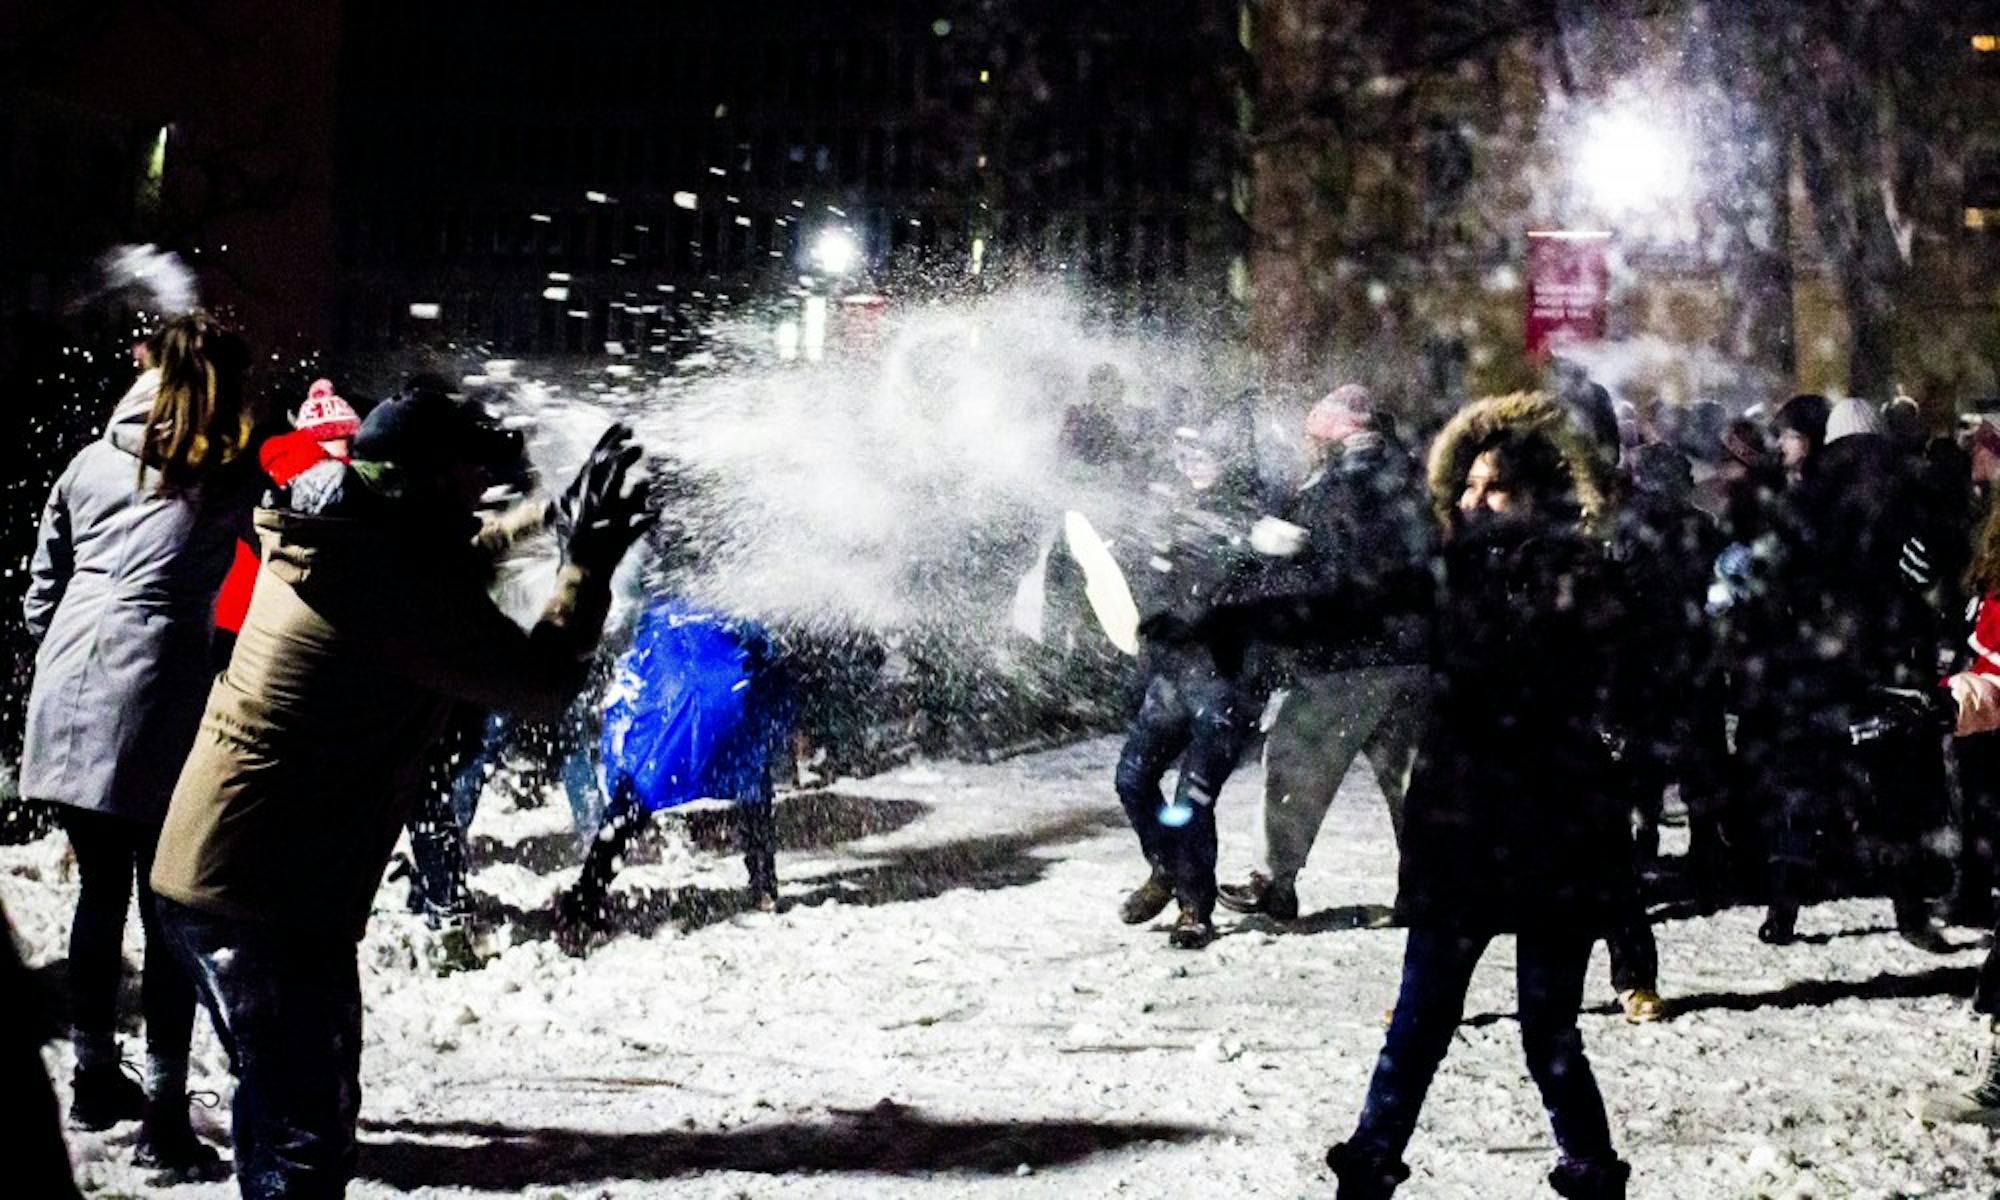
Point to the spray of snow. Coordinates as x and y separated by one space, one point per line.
905 485
160 275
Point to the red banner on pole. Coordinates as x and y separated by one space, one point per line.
1568 282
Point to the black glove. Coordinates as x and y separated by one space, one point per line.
1915 563
562 510
605 518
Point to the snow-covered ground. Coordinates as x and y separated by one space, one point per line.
949 1007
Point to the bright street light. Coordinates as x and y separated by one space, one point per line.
835 252
1630 163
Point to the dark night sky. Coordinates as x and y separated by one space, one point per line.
248 87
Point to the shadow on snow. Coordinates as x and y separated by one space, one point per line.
888 1139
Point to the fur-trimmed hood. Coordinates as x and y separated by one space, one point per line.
1458 442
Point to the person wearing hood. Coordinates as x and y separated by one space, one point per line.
136 539
1359 519
1857 628
372 619
1200 705
1514 821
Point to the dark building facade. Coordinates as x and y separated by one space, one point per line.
535 180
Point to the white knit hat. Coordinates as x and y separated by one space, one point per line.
1851 416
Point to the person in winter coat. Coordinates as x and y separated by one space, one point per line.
1855 620
1200 707
371 620
1514 822
1360 518
137 536
1668 547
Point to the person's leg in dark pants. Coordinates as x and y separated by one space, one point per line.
1218 730
624 819
1549 971
38 1160
287 1008
1437 970
167 996
1160 734
438 853
1906 801
756 822
105 859
1635 954
1975 776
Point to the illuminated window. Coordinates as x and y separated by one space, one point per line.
1986 43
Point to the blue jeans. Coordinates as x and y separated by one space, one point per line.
1201 719
439 846
1437 970
287 1008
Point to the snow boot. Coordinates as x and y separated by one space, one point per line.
1261 894
1576 1179
454 946
1364 1176
1147 901
1193 930
1914 923
1975 1105
1927 938
1781 925
169 1143
102 1096
1642 1006
580 921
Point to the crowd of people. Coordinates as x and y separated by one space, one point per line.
1533 634
1535 631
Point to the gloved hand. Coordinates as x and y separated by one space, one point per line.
603 517
1915 563
562 510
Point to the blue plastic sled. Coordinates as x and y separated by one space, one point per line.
689 714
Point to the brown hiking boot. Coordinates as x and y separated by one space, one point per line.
1147 901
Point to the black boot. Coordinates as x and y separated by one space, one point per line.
168 1142
1261 894
1575 1179
1193 930
1913 921
1364 1176
103 1096
1781 925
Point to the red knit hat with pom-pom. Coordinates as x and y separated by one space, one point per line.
326 416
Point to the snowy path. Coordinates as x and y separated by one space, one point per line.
949 1008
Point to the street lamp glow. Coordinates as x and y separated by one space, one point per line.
836 252
1629 163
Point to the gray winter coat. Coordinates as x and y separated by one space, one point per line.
122 603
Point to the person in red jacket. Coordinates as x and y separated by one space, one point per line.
320 433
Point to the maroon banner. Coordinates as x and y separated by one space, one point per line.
1568 282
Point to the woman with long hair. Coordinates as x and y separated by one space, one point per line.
136 538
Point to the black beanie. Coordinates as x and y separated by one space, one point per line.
426 428
1806 415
